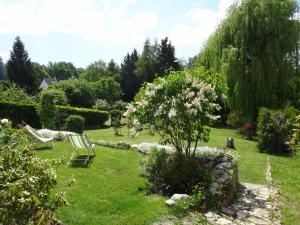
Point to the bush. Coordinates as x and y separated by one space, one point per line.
19 113
294 142
101 104
115 117
12 93
60 97
174 174
75 124
47 109
93 118
26 183
274 129
119 105
248 130
235 119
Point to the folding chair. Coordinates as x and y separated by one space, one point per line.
37 137
80 141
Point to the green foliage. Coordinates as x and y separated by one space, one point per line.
47 109
19 67
10 92
60 97
93 118
75 124
294 142
95 71
173 174
101 104
3 75
19 113
274 129
128 80
78 92
62 70
39 72
115 117
166 60
119 105
235 119
256 49
108 89
26 182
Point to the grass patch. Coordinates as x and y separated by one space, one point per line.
286 173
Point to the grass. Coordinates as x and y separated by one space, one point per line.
113 189
286 173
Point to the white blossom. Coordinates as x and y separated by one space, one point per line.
188 105
212 117
133 132
4 121
143 103
172 113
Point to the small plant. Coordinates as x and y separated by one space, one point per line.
294 142
115 117
248 130
75 124
235 119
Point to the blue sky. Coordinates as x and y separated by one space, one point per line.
83 31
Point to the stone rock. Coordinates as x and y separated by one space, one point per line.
177 197
170 202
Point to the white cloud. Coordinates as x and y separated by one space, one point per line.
4 56
196 26
92 20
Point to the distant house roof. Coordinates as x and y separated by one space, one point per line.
46 82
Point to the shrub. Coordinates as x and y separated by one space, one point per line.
75 124
115 117
248 130
179 107
26 183
60 97
47 110
274 129
294 142
174 174
235 119
101 104
119 105
93 118
13 93
20 112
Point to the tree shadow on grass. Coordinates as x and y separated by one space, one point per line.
79 161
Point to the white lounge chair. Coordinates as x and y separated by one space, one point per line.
80 141
37 137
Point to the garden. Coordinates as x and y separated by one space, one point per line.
156 141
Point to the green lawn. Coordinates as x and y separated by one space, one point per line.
113 189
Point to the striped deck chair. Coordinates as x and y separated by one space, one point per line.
80 141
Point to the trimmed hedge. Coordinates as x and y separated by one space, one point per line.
93 118
18 112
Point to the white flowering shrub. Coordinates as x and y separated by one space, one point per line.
178 107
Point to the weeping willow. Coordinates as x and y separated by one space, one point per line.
256 48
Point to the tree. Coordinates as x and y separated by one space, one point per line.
39 72
108 89
128 79
166 60
3 75
95 71
113 69
146 65
62 70
19 67
255 48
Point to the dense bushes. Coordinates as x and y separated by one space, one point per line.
274 129
75 124
10 92
93 118
18 112
26 182
115 117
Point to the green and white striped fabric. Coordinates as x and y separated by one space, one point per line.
78 141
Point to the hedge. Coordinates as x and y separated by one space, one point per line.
18 112
93 118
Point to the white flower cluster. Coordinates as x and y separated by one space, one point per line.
4 121
146 147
